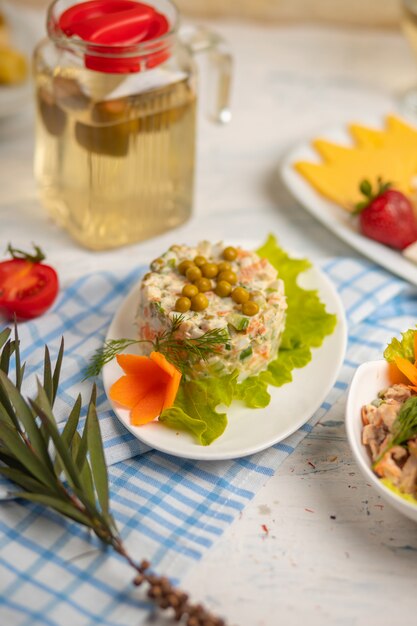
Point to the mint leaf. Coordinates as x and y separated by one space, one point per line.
403 348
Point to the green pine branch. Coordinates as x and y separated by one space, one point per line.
66 470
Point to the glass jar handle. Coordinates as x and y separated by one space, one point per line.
199 39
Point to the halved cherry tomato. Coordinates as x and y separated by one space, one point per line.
28 287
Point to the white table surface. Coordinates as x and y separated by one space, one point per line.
333 554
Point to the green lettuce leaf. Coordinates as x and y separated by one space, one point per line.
403 348
307 322
253 392
195 407
307 325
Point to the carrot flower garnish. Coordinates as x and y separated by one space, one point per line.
149 386
407 368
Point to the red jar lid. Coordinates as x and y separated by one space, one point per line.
120 25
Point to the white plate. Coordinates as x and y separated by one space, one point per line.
248 430
336 219
368 380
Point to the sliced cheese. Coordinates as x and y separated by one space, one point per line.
389 154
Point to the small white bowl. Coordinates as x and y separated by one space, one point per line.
368 380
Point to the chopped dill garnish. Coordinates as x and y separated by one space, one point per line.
182 352
107 353
158 307
404 427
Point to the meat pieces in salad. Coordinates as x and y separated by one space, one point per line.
398 463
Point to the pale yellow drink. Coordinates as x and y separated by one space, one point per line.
116 170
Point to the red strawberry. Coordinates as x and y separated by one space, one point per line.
387 216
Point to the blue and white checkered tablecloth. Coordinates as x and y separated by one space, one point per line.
52 573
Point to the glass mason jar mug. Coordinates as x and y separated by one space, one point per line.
116 117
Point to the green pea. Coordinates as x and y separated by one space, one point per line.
193 273
240 295
223 289
183 305
230 253
199 302
203 284
250 308
209 270
229 276
224 266
200 260
189 290
184 265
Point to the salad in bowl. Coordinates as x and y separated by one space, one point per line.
381 422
